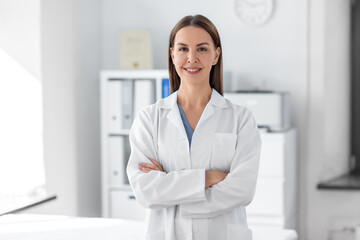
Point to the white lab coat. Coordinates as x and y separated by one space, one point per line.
179 207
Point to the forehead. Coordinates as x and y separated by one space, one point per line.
192 35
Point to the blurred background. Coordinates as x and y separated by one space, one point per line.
52 53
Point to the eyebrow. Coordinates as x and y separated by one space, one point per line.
204 43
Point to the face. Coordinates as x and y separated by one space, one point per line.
194 54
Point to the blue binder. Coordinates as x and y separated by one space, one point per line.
165 88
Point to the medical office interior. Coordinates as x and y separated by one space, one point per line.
64 86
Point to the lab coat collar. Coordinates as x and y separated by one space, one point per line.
174 115
216 100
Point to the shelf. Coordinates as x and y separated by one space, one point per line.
124 132
117 87
344 182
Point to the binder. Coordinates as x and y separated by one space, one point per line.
116 155
144 94
126 155
165 88
127 92
119 154
114 101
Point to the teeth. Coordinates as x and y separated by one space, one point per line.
192 70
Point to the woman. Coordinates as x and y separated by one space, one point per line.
195 155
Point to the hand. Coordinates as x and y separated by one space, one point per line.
213 177
147 167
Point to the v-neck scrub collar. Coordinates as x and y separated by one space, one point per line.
188 129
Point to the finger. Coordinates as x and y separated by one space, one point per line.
150 166
156 163
144 169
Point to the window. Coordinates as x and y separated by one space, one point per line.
22 171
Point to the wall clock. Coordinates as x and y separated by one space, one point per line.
254 12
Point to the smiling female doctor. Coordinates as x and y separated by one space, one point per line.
194 155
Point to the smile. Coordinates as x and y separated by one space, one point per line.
192 69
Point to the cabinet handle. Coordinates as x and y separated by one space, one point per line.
132 197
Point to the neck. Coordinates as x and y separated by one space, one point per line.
193 96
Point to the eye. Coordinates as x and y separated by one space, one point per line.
183 49
202 49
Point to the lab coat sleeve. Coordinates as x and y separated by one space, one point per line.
157 189
238 188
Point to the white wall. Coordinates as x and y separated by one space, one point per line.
329 129
70 36
88 106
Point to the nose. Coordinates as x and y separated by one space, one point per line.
192 57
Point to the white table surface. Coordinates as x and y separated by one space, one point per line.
54 227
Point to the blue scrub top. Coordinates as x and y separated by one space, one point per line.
188 129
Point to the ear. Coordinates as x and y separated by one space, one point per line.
217 55
172 55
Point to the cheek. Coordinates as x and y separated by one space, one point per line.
206 62
179 61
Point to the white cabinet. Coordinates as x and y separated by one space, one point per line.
274 203
123 205
123 94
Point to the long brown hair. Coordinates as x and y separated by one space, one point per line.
216 73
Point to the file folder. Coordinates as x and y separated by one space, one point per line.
127 92
114 101
144 94
165 88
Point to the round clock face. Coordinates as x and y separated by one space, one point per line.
254 12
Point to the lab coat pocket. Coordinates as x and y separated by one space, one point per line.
223 151
159 235
177 156
238 232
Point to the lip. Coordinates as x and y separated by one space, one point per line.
192 70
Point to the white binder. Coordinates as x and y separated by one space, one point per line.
116 152
144 94
114 103
127 92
